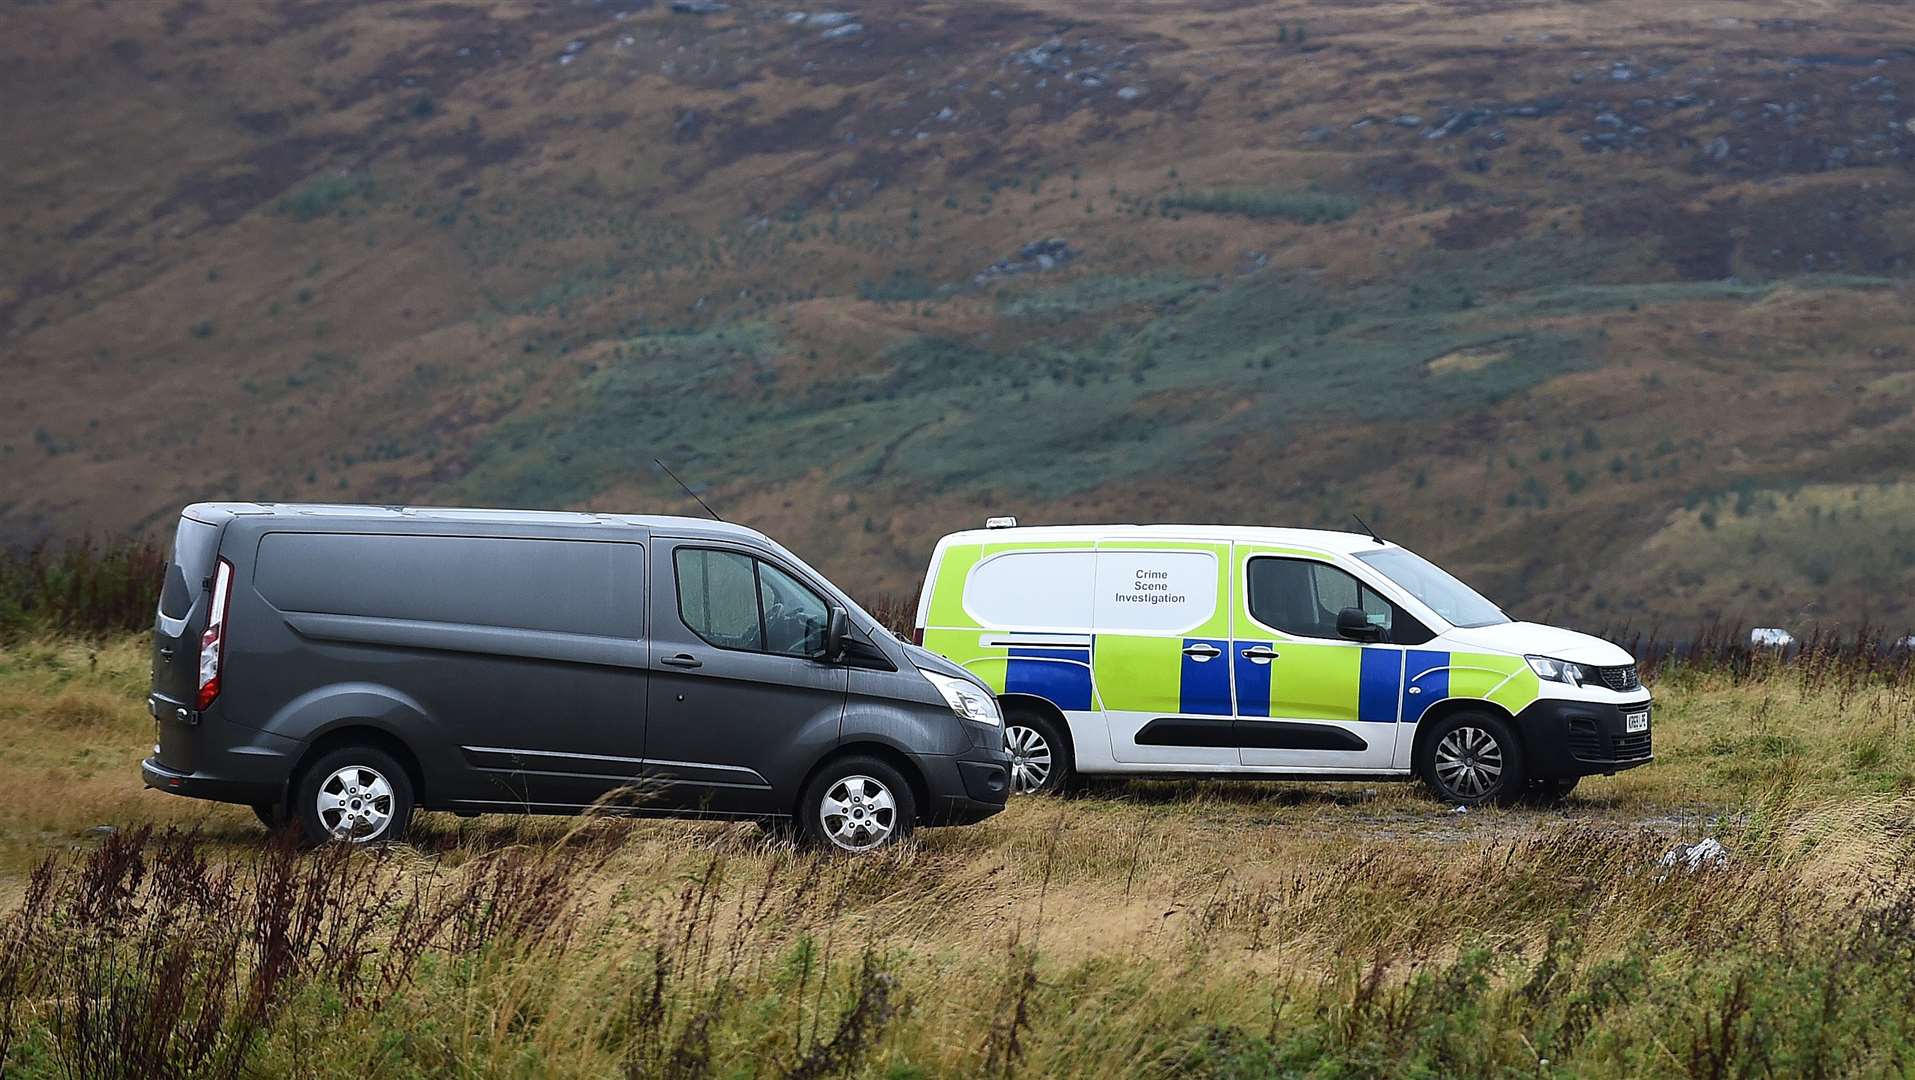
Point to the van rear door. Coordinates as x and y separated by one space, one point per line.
186 595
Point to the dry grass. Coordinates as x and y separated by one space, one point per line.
1156 929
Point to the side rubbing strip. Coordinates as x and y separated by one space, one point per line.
1186 731
1428 673
1382 686
1290 735
1060 676
1205 684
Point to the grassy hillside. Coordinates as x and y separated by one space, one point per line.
1591 301
1143 929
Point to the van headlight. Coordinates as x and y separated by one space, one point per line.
1562 671
966 698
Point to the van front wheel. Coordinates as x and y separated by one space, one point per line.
354 795
1471 759
857 804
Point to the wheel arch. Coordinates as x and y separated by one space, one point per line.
1045 707
1448 707
890 755
351 734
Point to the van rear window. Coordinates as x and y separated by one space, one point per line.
562 586
195 547
1047 590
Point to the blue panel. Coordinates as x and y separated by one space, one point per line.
1435 685
1204 688
1253 681
1060 676
1382 686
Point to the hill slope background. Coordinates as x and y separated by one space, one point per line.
1602 304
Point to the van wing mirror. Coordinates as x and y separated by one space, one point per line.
837 633
1352 623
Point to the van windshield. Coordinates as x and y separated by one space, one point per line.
1457 603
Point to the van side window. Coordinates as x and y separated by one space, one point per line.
795 617
718 597
1302 598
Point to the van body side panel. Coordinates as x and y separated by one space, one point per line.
731 731
1161 659
513 668
1318 703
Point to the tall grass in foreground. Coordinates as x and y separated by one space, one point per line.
1573 951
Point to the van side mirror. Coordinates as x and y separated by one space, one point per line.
837 632
1352 623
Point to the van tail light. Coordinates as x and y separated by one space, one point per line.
212 643
917 636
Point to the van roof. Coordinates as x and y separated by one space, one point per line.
1328 540
220 512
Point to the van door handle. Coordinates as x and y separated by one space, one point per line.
1202 653
684 660
1259 654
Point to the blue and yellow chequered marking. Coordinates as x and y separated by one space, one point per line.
1058 675
1380 678
1203 685
1312 679
1426 681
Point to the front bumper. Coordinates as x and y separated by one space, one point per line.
965 788
1563 738
196 785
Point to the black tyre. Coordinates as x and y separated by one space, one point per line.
1471 759
1551 792
356 795
857 804
1041 758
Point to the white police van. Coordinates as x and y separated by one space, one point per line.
1263 652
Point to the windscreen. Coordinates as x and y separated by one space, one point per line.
1457 603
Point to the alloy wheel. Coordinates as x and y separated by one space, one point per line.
1030 758
355 804
1469 762
859 813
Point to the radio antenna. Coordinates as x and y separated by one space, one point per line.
688 489
1366 528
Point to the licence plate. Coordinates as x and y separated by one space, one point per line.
1635 722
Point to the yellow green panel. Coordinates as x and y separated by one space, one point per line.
1139 674
1475 675
947 592
961 647
1316 682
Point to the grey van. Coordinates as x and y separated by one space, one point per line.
343 666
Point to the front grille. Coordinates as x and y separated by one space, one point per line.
1620 679
1631 747
1588 743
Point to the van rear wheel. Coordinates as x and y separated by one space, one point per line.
1041 762
354 795
1472 759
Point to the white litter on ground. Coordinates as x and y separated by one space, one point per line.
1706 852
